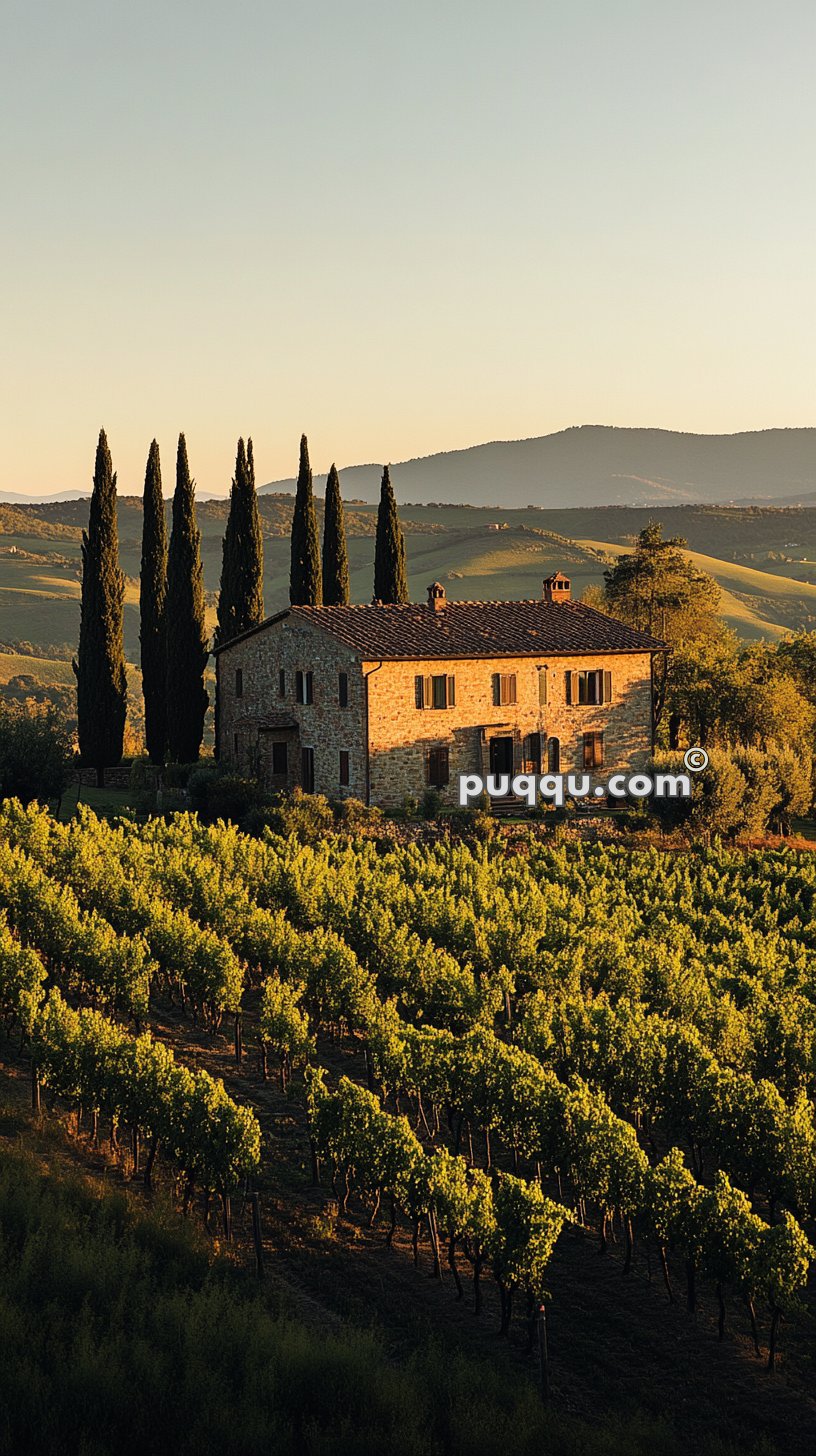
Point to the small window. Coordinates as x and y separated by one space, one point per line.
591 687
235 746
532 752
282 683
280 760
345 759
542 686
438 769
307 770
593 750
553 755
239 682
438 691
504 689
304 687
342 689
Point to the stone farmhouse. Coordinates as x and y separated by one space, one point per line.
382 701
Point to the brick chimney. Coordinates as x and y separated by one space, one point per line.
436 596
557 587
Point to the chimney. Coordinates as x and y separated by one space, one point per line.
436 596
557 587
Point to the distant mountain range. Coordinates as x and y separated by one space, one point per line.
592 465
588 465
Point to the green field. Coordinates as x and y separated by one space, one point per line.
754 553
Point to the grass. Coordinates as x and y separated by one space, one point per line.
39 600
755 603
46 670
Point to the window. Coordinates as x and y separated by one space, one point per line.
438 769
553 755
235 746
342 689
282 683
435 692
542 686
532 752
504 689
591 686
304 687
593 750
280 760
239 682
307 778
345 759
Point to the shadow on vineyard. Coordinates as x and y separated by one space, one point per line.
122 1333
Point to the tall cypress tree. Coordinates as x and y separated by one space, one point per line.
390 580
335 554
152 602
187 650
305 587
99 665
240 600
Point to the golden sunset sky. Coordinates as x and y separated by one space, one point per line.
400 227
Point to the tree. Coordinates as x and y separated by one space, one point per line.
187 650
390 581
240 601
335 554
797 655
305 586
791 777
770 706
152 601
35 752
99 665
655 588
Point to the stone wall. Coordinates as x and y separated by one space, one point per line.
401 735
322 725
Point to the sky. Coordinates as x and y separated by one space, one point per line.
401 226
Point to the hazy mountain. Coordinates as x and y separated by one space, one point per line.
16 497
592 465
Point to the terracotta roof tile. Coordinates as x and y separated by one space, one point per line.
473 629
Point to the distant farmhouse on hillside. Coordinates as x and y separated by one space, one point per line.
380 702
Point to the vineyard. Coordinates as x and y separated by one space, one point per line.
483 1050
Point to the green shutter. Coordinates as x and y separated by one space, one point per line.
419 690
607 687
568 688
542 686
497 690
451 692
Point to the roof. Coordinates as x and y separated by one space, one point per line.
469 629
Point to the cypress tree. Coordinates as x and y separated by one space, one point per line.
187 650
240 600
152 601
305 587
335 554
99 665
390 580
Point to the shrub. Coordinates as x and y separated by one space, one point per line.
309 816
354 814
36 754
431 804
